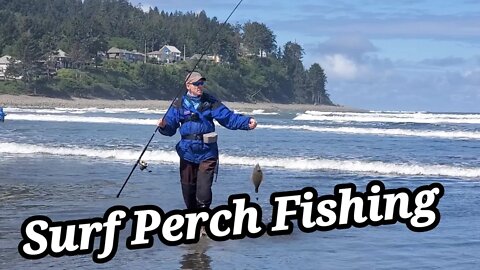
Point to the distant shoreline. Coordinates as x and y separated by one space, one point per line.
46 102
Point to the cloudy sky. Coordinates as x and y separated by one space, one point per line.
421 55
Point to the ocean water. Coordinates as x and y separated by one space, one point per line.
69 164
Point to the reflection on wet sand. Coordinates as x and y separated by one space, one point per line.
195 256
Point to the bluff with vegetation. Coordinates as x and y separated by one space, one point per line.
260 70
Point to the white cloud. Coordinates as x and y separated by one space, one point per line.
403 89
347 58
343 67
339 66
359 77
351 45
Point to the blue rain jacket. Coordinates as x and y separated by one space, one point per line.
198 121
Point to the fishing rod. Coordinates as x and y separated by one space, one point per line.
177 95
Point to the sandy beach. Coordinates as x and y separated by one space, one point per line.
45 102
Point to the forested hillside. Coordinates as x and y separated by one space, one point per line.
252 66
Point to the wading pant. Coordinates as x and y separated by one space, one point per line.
196 182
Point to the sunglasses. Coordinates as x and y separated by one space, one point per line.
199 83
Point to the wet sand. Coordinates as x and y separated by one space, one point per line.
45 102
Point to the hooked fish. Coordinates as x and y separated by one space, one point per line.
257 177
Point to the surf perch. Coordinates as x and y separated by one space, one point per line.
257 177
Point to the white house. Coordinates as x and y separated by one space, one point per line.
244 51
4 62
170 54
262 54
167 54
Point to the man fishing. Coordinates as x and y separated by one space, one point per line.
194 113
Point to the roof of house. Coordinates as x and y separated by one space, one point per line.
5 59
136 52
116 50
58 54
61 53
171 48
154 53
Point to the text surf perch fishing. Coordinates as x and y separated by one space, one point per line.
238 219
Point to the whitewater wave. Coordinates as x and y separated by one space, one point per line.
83 110
257 112
421 118
291 163
345 130
382 132
110 111
420 115
81 119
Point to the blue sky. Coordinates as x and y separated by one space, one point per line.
420 55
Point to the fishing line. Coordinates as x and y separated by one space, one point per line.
255 143
256 154
257 174
176 96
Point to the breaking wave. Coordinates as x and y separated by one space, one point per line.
81 119
291 163
472 135
110 111
422 118
383 132
84 110
257 112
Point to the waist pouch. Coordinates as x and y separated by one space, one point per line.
206 138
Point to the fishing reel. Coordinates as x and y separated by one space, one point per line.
194 117
143 166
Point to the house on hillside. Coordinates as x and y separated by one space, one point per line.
212 58
244 51
126 55
155 55
169 54
60 59
262 54
4 62
135 56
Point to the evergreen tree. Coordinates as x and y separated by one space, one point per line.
258 38
27 65
316 83
292 57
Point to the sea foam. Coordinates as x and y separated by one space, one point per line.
290 163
